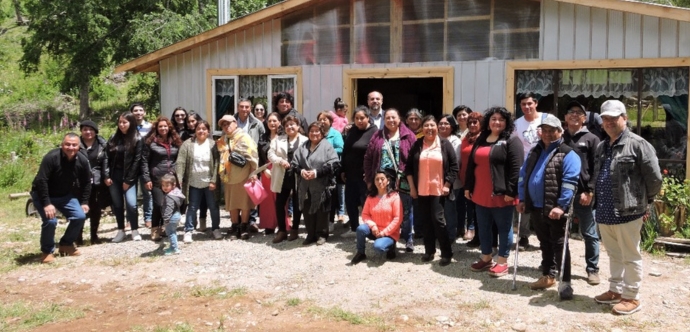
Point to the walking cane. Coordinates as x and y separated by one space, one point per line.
517 250
568 221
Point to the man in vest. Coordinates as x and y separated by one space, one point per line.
627 176
546 186
578 137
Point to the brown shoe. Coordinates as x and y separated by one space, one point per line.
69 251
294 235
156 234
608 297
47 258
469 235
627 307
543 283
280 237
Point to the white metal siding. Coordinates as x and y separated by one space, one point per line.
576 32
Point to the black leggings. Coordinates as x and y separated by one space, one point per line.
288 189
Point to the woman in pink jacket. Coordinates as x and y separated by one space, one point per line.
381 216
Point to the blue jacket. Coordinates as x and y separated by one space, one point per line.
536 183
336 139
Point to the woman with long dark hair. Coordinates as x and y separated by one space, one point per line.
352 171
161 146
267 209
381 216
192 119
179 119
496 157
124 156
466 206
431 170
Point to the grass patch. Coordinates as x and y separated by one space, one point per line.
23 315
219 291
293 302
20 235
475 306
340 314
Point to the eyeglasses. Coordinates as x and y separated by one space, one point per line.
576 111
179 115
473 122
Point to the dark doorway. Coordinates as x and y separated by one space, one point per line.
425 94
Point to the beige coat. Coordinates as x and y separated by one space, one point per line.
185 163
279 152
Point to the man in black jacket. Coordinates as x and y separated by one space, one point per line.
585 144
63 183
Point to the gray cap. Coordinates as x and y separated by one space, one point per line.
552 121
613 108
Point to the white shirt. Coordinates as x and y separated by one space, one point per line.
527 132
201 165
377 120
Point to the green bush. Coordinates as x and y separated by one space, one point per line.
13 175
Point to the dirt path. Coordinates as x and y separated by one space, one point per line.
256 286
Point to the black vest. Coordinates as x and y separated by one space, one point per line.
553 177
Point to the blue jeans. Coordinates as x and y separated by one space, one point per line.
588 230
120 197
69 207
451 213
171 230
381 245
146 200
355 195
503 217
340 189
465 208
196 196
408 217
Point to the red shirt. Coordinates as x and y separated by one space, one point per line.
483 188
465 150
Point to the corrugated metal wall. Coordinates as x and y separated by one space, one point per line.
574 32
569 32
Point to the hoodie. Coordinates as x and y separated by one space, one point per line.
172 203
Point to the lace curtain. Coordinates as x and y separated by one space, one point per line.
605 82
253 86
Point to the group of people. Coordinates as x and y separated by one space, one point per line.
466 174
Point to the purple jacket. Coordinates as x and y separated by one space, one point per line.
372 158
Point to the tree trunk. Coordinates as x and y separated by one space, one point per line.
18 12
84 110
200 3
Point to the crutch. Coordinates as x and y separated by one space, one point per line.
515 263
568 221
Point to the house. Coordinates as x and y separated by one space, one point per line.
435 54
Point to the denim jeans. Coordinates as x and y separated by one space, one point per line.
146 200
408 217
381 244
196 196
551 235
451 213
465 208
355 195
120 198
503 218
69 207
171 230
588 230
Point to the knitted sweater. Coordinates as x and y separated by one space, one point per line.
385 212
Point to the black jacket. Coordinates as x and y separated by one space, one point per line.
100 168
59 177
505 158
585 144
354 148
132 162
156 161
450 162
302 121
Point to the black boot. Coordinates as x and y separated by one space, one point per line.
244 231
94 233
234 231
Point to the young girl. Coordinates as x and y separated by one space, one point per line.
171 210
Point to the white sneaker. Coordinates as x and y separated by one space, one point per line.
187 237
331 227
217 234
119 237
135 235
348 234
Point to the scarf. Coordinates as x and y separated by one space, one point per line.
241 143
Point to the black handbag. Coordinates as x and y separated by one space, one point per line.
237 159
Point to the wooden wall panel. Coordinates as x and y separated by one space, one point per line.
650 37
466 83
633 36
616 35
668 38
167 83
599 32
231 54
566 31
184 82
481 86
497 74
550 30
684 39
583 32
275 43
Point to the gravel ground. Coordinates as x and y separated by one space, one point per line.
451 297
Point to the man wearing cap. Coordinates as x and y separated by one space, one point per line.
93 147
546 186
584 143
63 183
627 176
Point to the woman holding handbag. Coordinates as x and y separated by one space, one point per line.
281 154
238 160
196 170
389 148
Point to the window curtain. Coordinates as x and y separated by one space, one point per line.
253 86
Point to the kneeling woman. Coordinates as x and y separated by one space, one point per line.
382 215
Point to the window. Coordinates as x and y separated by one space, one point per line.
225 90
